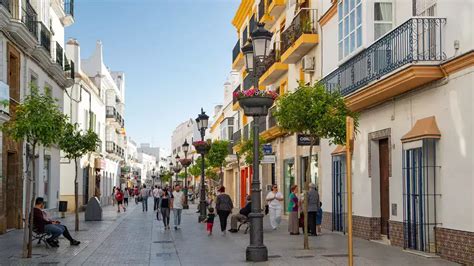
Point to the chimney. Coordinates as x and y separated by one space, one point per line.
73 52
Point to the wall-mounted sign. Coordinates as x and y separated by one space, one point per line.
267 149
305 140
267 159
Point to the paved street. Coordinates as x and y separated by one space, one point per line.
136 238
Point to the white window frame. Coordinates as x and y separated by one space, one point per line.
344 19
424 6
384 22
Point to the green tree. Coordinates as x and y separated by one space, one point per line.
319 113
246 149
38 121
76 144
217 155
166 177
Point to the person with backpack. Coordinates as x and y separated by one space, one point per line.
119 197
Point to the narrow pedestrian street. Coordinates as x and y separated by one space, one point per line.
137 238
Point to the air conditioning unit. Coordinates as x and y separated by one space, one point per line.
308 63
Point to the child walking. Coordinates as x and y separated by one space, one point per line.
210 220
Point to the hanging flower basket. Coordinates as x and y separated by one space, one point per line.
202 147
255 102
185 162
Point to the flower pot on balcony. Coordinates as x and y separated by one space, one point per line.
256 105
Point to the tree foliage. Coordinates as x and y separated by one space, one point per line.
75 143
315 111
218 153
38 120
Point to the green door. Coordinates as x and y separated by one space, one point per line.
289 179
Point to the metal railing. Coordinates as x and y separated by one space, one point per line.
69 7
6 4
272 58
271 119
29 18
416 40
245 135
236 136
262 124
69 68
305 22
252 24
110 112
248 82
234 99
45 37
110 146
245 35
261 9
59 54
236 50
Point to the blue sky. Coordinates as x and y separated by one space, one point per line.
176 55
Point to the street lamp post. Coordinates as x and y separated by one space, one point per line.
171 171
153 176
255 52
185 163
202 121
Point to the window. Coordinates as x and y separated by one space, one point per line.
33 79
349 27
383 18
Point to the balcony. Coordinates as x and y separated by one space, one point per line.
246 133
110 146
273 131
110 112
235 102
68 19
248 82
4 12
236 137
403 59
23 26
237 57
276 8
300 37
59 55
261 10
273 69
69 68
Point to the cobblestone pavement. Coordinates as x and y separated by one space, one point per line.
137 238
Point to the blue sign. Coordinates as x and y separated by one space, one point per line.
267 149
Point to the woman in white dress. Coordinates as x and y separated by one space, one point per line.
274 199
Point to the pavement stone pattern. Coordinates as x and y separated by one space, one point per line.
137 238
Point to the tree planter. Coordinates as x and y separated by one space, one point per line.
256 105
185 162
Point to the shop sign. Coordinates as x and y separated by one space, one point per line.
305 140
267 149
268 159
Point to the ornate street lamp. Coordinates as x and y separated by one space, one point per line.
153 176
202 123
255 53
177 168
171 171
162 174
185 163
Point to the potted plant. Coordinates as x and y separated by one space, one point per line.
201 146
255 102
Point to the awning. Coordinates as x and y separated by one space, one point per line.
339 150
425 128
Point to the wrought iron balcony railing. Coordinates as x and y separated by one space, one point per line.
59 54
416 40
261 9
110 112
69 68
252 24
271 119
305 22
236 137
248 82
45 37
234 99
245 35
110 146
236 50
29 18
69 7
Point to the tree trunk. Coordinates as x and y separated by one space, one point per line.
27 209
32 203
306 187
76 197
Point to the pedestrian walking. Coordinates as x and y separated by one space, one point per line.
210 221
113 195
156 198
119 196
177 202
126 195
313 206
293 222
319 217
144 194
136 194
224 207
274 199
165 208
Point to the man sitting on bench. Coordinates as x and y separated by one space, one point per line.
42 224
241 217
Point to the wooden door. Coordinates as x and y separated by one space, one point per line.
384 186
11 190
